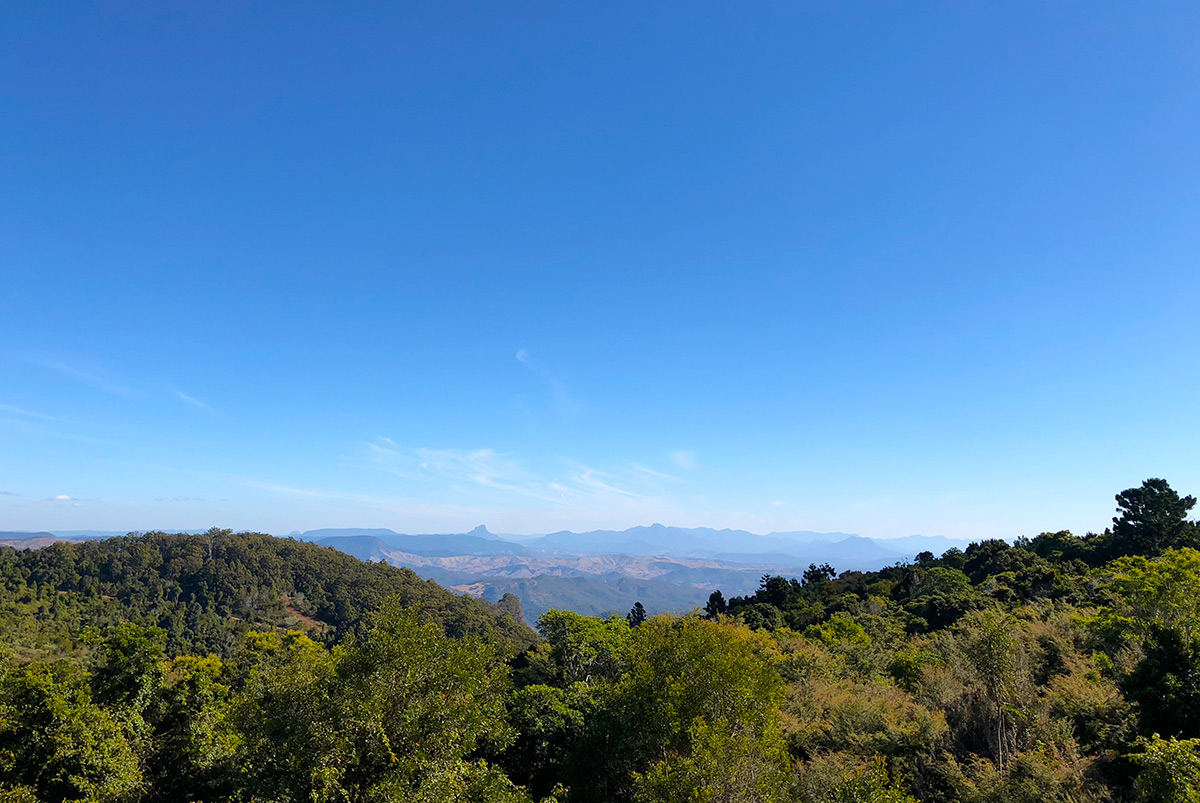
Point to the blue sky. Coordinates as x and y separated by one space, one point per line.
885 268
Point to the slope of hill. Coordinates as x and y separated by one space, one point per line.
27 540
203 590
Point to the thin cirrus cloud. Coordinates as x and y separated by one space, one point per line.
99 381
37 425
683 459
427 484
356 500
93 380
294 490
186 499
590 479
458 469
191 401
658 475
566 404
418 487
21 411
490 474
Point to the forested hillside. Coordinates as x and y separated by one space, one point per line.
1058 668
205 591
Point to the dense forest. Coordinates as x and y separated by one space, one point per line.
240 667
207 591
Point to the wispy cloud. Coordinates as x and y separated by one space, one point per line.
38 427
484 468
191 400
58 500
659 475
8 493
292 490
8 408
563 400
778 503
378 501
685 460
88 378
488 485
590 478
547 480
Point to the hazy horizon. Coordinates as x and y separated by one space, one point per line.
63 531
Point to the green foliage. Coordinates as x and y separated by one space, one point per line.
1153 518
1034 776
992 652
1171 770
56 742
722 764
193 747
238 667
585 649
840 630
826 781
510 605
205 591
685 680
395 715
547 721
1160 593
685 670
126 666
716 605
1166 684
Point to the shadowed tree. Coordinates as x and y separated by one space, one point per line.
510 604
1153 518
816 575
992 651
716 605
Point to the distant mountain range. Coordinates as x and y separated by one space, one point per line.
598 572
786 548
687 542
605 571
477 542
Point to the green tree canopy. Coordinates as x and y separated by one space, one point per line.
1153 517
